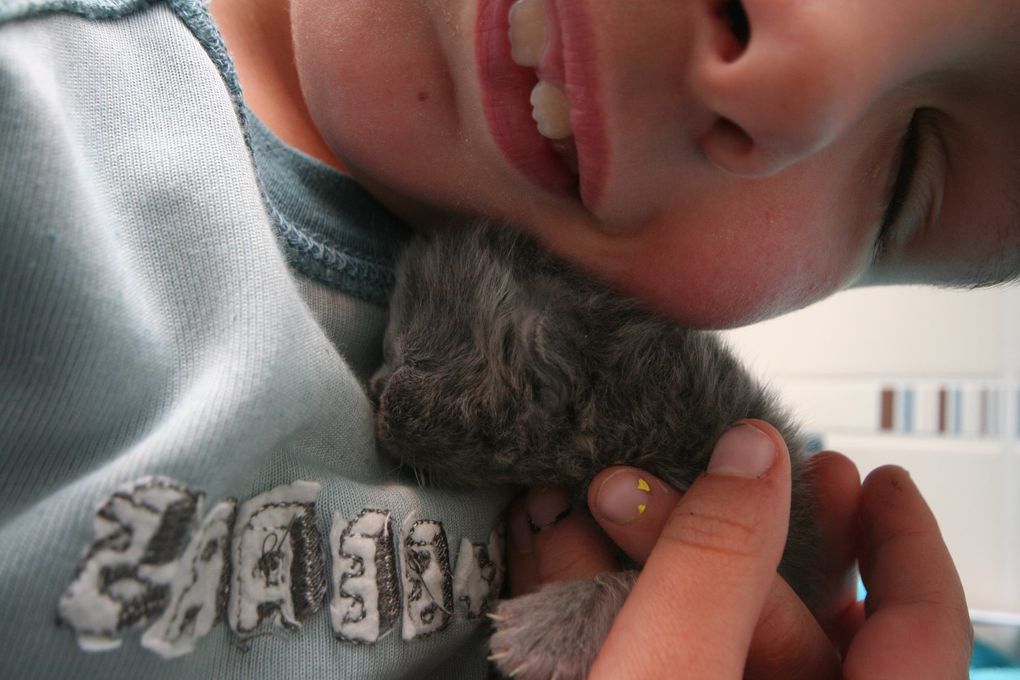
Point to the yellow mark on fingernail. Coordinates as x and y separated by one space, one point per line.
643 485
641 508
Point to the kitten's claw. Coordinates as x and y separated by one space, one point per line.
517 671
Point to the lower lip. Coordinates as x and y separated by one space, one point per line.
506 91
582 86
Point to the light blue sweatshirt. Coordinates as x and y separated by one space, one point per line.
189 486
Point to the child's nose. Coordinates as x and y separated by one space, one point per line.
805 72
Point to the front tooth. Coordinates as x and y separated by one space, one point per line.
551 110
527 32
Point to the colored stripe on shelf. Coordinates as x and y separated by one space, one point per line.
943 410
887 411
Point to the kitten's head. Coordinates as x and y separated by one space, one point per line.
463 388
503 365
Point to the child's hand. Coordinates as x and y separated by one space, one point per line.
709 600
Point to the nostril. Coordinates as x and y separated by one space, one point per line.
734 17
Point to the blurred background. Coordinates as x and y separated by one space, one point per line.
930 380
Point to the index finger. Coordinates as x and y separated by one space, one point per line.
698 599
915 599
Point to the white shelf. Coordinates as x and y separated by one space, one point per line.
952 362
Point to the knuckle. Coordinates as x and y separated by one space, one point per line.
707 531
571 550
788 643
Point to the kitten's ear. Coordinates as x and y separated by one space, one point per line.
552 360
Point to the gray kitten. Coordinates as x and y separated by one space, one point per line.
504 365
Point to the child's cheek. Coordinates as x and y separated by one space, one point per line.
737 269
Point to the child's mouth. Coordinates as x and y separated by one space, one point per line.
535 42
520 51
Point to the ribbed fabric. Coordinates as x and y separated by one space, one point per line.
150 325
315 207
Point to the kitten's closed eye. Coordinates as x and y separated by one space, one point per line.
377 384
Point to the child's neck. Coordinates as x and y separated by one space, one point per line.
257 34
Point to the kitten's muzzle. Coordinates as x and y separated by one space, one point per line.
395 396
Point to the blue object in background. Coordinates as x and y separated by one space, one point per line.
907 419
995 674
986 657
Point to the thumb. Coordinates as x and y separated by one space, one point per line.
707 577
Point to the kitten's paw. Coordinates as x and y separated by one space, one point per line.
556 632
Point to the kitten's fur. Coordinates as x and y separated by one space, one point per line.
502 364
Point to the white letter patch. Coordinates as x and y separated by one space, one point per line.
366 595
278 570
425 568
125 577
478 577
198 592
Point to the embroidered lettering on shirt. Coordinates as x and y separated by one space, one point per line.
125 577
425 568
366 595
154 563
278 570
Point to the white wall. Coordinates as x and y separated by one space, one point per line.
831 362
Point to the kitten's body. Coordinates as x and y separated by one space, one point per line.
504 365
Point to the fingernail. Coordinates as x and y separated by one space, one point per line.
743 451
520 532
623 497
547 506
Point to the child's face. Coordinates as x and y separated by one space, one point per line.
721 181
